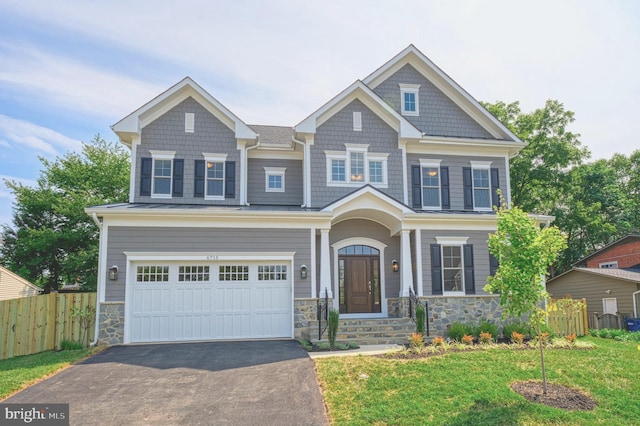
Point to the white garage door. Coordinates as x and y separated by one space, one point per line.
180 301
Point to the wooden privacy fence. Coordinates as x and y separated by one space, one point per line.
600 321
40 323
568 316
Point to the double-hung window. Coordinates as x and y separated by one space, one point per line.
409 99
452 266
162 173
356 166
430 178
481 180
214 176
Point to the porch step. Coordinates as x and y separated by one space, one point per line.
374 331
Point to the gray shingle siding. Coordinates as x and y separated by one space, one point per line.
338 130
167 134
181 240
439 116
455 164
293 181
480 256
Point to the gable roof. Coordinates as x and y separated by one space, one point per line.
411 55
624 240
359 90
15 278
275 136
133 123
632 276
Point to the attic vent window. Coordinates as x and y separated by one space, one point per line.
357 121
189 122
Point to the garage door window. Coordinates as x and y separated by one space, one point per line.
152 273
189 273
272 272
234 273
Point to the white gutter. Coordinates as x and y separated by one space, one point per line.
635 308
97 324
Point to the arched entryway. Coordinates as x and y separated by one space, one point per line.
359 281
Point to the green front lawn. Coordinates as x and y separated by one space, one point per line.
19 372
473 387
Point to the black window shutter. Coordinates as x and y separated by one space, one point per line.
145 176
444 188
468 188
493 264
198 183
436 269
230 179
416 187
495 185
178 177
469 279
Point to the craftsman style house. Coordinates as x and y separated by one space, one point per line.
235 231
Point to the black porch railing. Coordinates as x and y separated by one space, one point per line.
323 314
413 303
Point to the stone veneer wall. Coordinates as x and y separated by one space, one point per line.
305 314
444 311
111 328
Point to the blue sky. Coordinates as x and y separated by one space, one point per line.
70 69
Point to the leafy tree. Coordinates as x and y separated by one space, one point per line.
52 240
539 171
525 252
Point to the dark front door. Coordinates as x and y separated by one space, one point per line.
359 278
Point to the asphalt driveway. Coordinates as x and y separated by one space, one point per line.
232 383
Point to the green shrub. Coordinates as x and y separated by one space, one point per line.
334 317
69 345
306 345
485 327
621 335
458 330
420 319
518 327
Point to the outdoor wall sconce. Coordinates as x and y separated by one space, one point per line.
303 272
113 273
394 265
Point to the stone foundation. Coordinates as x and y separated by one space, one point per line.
444 311
111 328
305 313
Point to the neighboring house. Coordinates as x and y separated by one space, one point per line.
609 279
13 286
235 231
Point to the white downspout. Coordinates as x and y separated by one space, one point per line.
245 173
305 171
97 323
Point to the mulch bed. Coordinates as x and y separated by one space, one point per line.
557 396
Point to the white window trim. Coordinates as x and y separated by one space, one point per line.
480 165
274 171
410 88
357 121
346 157
452 242
214 158
435 164
161 155
604 304
608 265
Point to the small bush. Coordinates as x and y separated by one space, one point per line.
486 327
458 330
420 319
69 345
438 341
467 339
334 317
517 337
571 337
518 327
306 345
485 338
417 341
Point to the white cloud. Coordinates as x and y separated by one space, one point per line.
40 139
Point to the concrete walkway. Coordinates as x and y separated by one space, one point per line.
363 350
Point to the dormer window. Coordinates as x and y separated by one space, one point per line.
409 100
356 166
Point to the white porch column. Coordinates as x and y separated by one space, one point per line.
325 264
406 279
418 251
